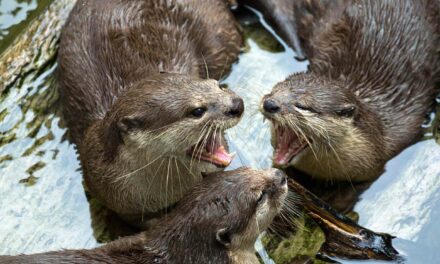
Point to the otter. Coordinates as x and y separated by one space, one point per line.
138 84
218 221
374 70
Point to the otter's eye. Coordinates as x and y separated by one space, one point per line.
262 197
302 107
346 112
198 112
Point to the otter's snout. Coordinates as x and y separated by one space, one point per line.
236 109
277 182
279 177
270 106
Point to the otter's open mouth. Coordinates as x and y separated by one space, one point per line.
212 151
287 145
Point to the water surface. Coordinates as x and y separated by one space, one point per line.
43 204
15 15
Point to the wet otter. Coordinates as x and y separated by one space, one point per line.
136 101
372 80
218 221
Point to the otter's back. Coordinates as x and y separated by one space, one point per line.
388 52
106 45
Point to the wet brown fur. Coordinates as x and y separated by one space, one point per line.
382 57
214 223
130 72
116 43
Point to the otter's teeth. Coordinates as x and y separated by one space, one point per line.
216 153
221 156
288 146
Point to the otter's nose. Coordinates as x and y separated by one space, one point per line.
237 108
279 177
270 106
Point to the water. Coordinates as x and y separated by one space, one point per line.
15 16
43 204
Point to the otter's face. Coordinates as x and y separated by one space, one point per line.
316 123
181 117
269 197
251 198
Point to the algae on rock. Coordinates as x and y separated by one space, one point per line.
35 47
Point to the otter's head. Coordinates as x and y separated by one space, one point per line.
165 130
321 127
173 115
228 210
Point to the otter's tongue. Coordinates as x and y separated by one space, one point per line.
288 146
215 152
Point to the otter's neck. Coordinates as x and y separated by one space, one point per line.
180 242
244 257
131 179
173 243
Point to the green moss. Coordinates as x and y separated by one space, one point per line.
99 214
32 180
252 29
34 126
6 158
303 244
17 28
3 114
38 143
107 226
29 181
55 153
36 167
7 138
262 37
353 216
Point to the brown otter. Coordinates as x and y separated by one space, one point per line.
136 101
218 221
372 80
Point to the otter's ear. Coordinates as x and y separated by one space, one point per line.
224 237
127 124
346 111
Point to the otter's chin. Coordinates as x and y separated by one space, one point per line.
287 146
213 150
